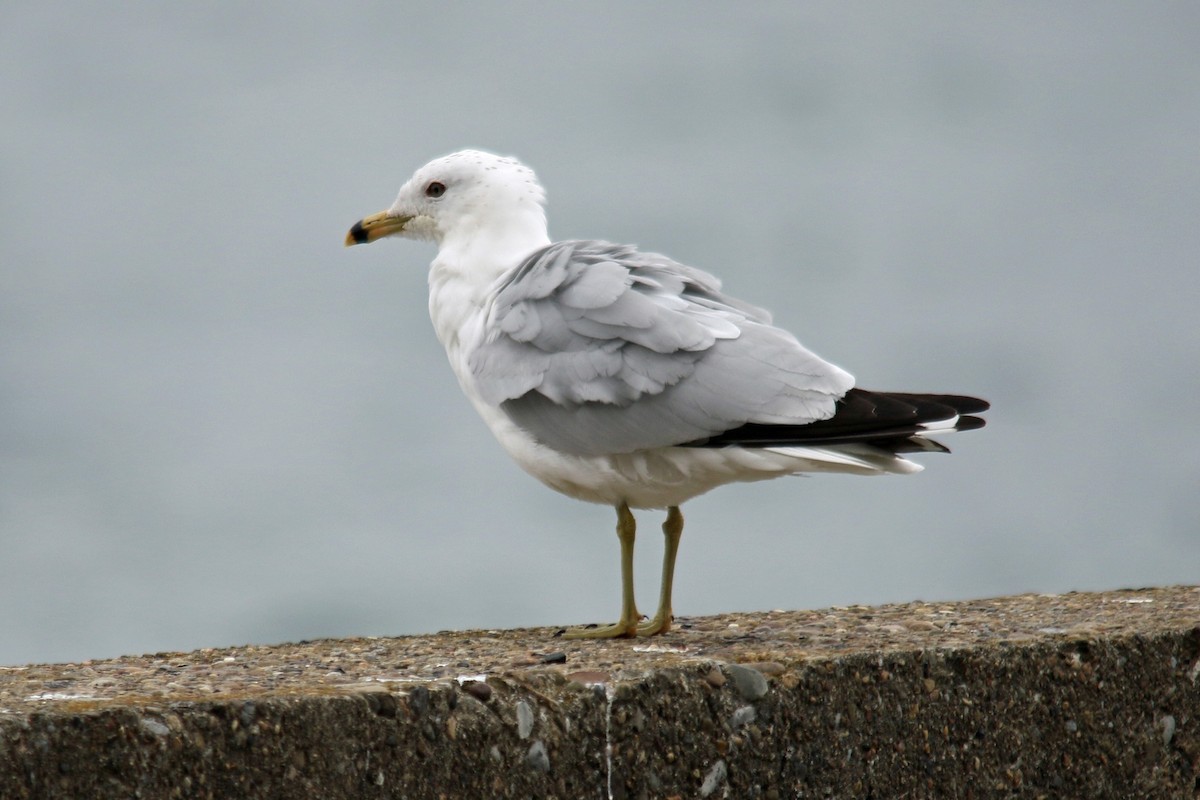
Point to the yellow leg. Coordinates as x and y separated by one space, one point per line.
628 624
672 532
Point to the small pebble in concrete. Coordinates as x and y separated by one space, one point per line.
715 678
1168 726
537 757
418 699
479 690
750 683
524 720
153 727
554 658
714 778
387 705
743 716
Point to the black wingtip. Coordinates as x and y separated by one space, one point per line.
969 423
963 404
895 421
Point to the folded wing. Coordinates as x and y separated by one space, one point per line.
595 348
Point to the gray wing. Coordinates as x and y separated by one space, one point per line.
595 348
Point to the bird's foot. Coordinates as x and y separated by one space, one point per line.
660 624
622 630
618 630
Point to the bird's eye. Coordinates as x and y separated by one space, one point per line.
435 189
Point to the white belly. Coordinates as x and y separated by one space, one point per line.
670 476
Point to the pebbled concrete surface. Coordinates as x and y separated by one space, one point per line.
1079 695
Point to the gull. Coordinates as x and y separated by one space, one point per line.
622 377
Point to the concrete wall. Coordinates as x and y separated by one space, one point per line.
1094 696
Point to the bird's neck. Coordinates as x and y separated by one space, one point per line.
468 263
480 249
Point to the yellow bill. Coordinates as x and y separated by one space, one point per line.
376 226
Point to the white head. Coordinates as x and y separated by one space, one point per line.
462 196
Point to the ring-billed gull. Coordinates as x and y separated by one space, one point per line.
622 377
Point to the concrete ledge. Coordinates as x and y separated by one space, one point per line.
1078 695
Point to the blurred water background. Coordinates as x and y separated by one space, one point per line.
218 426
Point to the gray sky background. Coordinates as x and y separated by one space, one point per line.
219 426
